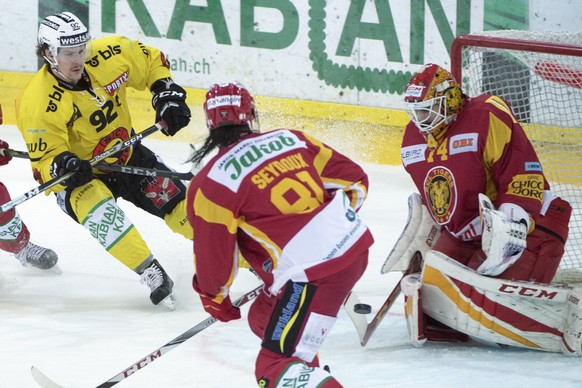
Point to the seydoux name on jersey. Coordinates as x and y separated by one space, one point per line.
231 168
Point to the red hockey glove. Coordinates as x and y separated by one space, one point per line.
224 311
4 159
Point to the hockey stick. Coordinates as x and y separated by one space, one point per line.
114 167
14 153
103 155
46 382
185 176
365 329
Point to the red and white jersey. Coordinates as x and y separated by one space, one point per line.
285 200
484 150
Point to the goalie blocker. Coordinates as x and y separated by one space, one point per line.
515 313
419 235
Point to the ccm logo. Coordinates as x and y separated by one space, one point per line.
528 291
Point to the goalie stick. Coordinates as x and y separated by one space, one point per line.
46 382
96 159
115 167
365 329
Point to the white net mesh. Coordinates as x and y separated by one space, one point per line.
545 93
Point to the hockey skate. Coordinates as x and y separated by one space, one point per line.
160 285
38 257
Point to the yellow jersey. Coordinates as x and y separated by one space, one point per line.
55 116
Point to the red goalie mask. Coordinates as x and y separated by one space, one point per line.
433 98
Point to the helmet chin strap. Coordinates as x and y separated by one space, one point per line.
55 68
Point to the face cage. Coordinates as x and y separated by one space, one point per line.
428 115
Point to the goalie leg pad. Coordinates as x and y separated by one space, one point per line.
572 338
412 289
516 313
421 327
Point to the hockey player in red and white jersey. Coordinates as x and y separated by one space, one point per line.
289 204
15 236
75 108
483 190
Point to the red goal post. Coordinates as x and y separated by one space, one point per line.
540 75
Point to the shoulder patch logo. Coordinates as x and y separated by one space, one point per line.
116 84
533 166
466 142
527 186
413 154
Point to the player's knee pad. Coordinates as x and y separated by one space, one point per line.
572 337
411 286
298 374
78 202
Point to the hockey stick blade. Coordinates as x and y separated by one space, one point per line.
365 329
42 380
45 382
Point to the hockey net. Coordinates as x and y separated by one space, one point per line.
540 75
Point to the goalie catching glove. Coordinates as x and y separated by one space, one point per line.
504 235
169 101
66 162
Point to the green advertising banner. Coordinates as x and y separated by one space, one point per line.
346 51
338 68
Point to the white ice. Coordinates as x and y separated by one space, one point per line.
95 319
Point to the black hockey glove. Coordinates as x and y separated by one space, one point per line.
169 101
66 162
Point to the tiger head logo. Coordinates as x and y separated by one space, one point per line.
440 194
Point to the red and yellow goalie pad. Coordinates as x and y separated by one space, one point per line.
515 313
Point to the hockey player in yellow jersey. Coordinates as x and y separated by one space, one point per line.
74 108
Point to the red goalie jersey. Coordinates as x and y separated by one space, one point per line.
484 150
245 193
